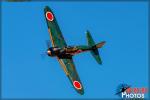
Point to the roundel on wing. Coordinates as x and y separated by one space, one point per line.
77 85
49 16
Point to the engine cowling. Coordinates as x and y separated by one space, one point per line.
53 51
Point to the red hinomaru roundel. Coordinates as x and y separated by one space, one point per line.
49 16
77 85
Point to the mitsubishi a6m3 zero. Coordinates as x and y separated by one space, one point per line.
64 53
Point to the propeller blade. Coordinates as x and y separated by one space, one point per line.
48 43
44 54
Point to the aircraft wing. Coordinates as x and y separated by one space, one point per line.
54 31
69 68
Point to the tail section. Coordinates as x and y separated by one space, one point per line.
94 50
99 45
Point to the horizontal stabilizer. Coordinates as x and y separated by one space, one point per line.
94 50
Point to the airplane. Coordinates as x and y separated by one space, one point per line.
65 53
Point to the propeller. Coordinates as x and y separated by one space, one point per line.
44 54
48 44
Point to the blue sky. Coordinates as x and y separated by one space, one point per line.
123 25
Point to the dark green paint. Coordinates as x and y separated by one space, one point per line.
60 42
67 63
94 52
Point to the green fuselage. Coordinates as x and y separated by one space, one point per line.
68 51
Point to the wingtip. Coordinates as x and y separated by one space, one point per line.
81 92
100 63
47 8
